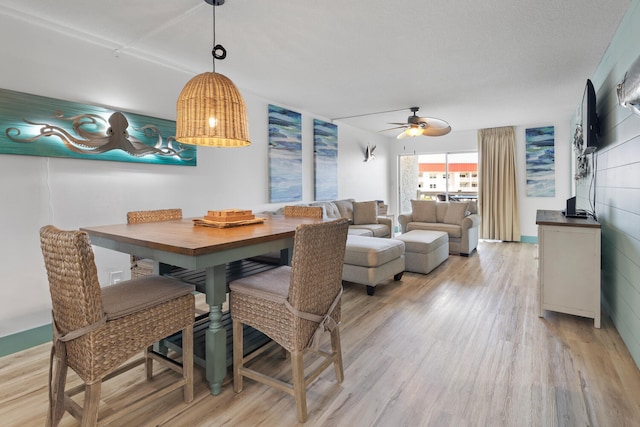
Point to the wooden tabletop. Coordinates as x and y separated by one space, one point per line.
183 237
545 217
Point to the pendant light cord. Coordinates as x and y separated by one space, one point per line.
218 52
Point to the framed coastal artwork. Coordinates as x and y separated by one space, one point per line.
40 126
325 150
285 155
540 162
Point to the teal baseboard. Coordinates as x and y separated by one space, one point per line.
24 340
528 239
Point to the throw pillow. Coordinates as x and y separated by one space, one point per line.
472 208
423 210
329 209
365 213
346 208
455 213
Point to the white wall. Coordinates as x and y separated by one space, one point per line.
529 205
465 141
72 193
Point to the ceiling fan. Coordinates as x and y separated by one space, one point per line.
416 126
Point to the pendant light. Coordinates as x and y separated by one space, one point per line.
210 110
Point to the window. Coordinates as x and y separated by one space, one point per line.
452 176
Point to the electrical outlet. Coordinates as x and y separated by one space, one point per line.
115 277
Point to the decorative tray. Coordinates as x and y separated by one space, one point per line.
226 224
228 218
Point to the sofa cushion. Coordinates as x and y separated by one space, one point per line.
455 213
357 231
370 251
423 210
365 212
452 229
376 230
441 211
345 207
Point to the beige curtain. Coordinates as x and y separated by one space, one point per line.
498 194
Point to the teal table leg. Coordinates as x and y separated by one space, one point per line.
216 336
285 256
161 269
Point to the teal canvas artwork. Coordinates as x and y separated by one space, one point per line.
325 150
285 155
540 162
39 126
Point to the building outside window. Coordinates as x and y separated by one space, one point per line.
448 176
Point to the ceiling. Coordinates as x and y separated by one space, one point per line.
475 64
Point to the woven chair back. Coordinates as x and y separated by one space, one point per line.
73 278
303 211
139 217
138 268
316 271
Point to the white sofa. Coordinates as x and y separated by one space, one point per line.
363 216
458 219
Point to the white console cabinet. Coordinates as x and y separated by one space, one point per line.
569 264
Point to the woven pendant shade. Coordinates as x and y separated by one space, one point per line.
211 112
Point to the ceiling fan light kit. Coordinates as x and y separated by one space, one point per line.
425 126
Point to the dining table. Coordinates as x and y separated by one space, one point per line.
182 243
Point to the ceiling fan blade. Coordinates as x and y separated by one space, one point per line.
402 135
433 122
399 124
433 131
397 127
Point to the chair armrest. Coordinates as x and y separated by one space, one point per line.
471 221
403 220
388 222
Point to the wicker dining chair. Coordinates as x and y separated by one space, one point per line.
96 330
303 211
293 306
140 266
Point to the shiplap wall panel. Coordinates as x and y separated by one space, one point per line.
619 244
617 195
623 316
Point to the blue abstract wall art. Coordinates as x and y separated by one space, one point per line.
285 155
325 149
40 126
540 162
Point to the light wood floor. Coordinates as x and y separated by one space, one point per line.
462 346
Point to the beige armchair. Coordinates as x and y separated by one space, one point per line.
458 219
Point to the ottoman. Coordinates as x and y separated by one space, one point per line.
424 249
370 260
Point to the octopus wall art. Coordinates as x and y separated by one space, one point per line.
35 125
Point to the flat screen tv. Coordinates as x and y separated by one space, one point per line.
589 119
